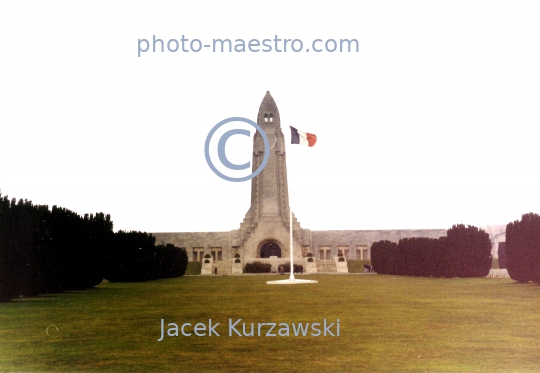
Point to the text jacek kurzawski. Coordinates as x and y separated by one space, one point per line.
242 329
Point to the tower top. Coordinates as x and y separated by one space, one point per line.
268 111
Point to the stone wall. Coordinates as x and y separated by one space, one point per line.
192 240
311 241
351 239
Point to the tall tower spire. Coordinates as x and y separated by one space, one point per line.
265 230
269 190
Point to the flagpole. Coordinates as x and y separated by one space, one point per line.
291 239
291 279
291 246
291 227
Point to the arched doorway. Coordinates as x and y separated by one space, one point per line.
270 248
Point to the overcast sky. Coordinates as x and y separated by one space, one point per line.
435 121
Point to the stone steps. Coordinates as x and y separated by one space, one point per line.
223 267
326 266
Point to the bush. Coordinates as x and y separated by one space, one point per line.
172 261
417 256
258 267
50 251
296 267
136 258
469 251
465 252
383 256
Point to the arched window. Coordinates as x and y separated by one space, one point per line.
266 117
271 117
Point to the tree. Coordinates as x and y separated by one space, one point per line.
136 258
523 248
465 252
469 250
383 256
46 251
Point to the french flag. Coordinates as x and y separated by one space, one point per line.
302 138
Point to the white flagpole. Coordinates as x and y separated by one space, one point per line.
291 279
291 238
291 246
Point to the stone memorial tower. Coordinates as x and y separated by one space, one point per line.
264 233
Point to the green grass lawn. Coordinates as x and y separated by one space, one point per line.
387 324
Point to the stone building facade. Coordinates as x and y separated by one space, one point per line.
264 233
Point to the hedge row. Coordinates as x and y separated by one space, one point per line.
136 258
48 251
258 267
464 252
297 267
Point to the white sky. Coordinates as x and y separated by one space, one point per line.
434 122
